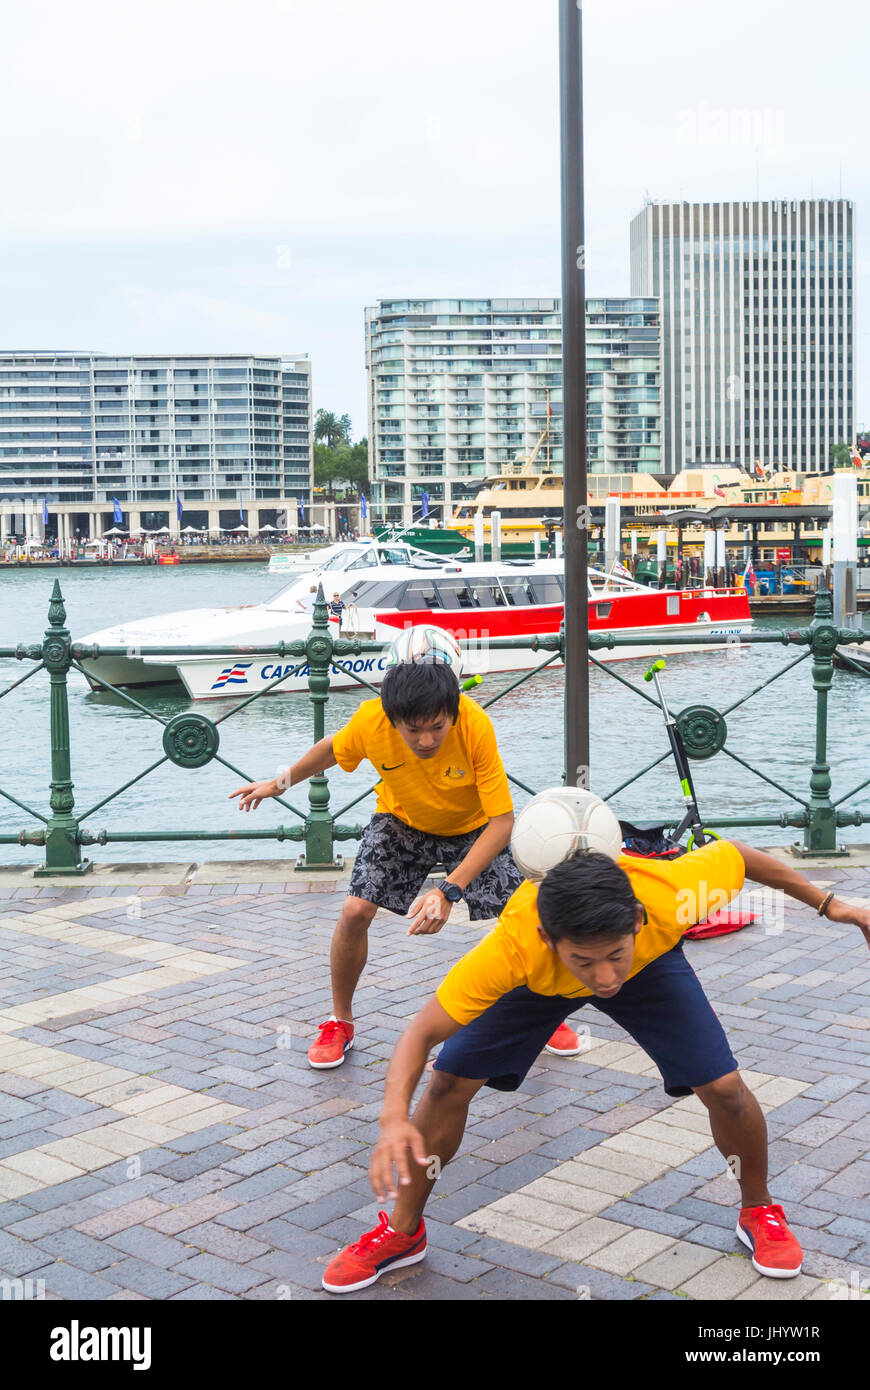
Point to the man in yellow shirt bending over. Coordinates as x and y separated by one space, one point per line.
443 798
594 930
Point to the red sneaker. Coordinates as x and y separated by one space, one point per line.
372 1255
333 1041
775 1251
564 1042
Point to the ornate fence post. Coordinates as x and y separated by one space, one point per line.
820 835
318 827
62 851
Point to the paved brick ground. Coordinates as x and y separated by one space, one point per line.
161 1135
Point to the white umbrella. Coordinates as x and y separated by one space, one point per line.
316 527
215 530
138 531
239 528
267 527
191 531
164 531
115 531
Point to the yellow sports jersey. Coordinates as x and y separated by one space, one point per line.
462 787
675 893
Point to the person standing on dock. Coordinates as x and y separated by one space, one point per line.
443 798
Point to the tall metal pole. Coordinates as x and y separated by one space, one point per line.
577 512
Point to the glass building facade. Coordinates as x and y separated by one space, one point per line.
459 387
757 328
89 427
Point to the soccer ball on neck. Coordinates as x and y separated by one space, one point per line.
558 823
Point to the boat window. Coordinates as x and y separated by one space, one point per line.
545 588
454 593
419 596
673 603
396 555
373 593
486 592
366 561
518 592
340 561
602 610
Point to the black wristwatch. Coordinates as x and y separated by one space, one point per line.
452 892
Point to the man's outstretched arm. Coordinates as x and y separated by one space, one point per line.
431 1026
316 760
773 873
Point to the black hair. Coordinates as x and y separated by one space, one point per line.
415 690
584 896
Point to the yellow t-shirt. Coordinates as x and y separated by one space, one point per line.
676 893
458 790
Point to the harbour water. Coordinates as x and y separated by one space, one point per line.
111 740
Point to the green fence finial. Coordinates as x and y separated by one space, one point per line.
62 851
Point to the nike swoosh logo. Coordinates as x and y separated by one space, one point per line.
390 769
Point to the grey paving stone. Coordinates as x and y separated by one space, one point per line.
74 1248
150 1246
71 1282
148 1279
203 1293
509 1284
19 1256
221 1274
631 1213
499 1252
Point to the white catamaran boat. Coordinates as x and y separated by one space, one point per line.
475 602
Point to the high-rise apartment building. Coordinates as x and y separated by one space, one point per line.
459 387
79 429
757 328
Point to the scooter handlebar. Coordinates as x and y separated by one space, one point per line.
654 669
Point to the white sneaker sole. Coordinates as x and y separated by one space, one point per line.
763 1269
364 1283
563 1051
327 1066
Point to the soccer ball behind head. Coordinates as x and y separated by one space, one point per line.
560 822
425 643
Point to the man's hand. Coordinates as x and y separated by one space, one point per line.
398 1139
428 913
838 911
254 793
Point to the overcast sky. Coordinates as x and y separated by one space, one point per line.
195 176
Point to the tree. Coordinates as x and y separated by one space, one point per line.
332 429
841 455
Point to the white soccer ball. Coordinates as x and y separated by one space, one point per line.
560 822
426 643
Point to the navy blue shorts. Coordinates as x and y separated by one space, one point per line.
663 1007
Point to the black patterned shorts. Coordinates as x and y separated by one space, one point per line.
394 860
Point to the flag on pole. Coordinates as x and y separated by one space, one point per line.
424 504
718 491
857 459
117 514
749 576
241 513
44 512
301 509
759 471
363 508
179 507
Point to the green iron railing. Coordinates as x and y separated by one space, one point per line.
191 739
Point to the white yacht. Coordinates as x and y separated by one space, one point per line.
475 602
